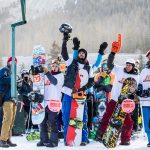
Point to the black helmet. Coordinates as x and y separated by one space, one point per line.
65 28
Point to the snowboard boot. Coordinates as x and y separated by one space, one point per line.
40 143
51 144
83 144
124 143
148 145
3 144
11 144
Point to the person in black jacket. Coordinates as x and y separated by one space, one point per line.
79 77
24 89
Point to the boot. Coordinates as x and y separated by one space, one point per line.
10 143
51 144
83 144
3 144
40 143
148 145
124 143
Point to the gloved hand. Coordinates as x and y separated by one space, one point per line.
45 69
102 48
116 45
74 90
76 43
66 37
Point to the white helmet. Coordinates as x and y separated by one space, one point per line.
131 61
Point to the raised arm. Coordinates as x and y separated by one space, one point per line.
116 46
101 50
64 52
76 44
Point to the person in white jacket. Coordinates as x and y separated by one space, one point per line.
54 81
144 93
121 73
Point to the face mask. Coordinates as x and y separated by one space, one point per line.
26 79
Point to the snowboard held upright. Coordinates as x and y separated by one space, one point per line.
116 122
37 96
74 133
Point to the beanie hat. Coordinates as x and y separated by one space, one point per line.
148 52
10 59
84 51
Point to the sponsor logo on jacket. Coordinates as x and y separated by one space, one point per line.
147 79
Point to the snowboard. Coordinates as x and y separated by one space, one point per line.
114 127
38 111
74 133
100 108
19 123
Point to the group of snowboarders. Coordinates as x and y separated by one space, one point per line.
79 79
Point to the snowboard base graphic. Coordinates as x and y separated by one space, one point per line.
38 110
114 127
74 133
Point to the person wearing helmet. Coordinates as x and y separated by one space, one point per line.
79 77
121 73
54 80
103 85
24 88
144 93
8 105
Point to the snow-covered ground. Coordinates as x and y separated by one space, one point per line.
139 143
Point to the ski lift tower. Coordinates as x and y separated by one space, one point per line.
13 67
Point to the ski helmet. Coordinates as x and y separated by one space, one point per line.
148 53
65 28
131 61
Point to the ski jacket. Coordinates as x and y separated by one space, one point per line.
24 90
144 80
5 83
53 85
74 68
120 76
104 84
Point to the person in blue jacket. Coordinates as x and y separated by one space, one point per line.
8 105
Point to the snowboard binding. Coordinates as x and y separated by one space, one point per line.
36 97
76 123
79 95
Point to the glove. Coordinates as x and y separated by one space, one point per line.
116 45
45 69
74 90
102 48
76 43
103 74
66 37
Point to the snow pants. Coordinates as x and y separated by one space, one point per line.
51 120
9 113
146 119
127 126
